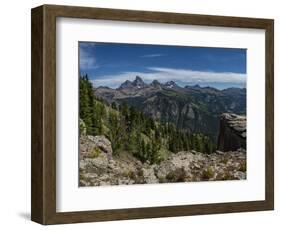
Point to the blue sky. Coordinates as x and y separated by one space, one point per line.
110 64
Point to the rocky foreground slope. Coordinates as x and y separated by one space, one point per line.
99 167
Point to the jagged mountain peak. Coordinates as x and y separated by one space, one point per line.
126 84
137 83
138 78
170 84
155 83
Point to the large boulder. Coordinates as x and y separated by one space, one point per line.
91 146
98 167
233 132
148 174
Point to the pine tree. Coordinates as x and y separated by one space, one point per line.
117 134
131 130
114 106
143 151
85 103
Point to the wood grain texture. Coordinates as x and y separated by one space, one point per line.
44 114
37 188
269 116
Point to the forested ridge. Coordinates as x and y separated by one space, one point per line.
191 107
132 131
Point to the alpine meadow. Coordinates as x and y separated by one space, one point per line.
153 114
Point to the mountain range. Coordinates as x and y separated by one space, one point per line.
192 108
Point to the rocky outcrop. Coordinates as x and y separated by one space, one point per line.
93 146
232 133
98 167
196 166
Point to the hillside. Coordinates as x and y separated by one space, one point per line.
130 130
121 144
192 108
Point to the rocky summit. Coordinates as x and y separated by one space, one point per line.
138 83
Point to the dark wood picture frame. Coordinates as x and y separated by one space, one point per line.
43 189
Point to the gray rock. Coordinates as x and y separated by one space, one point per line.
149 176
103 169
240 175
219 152
91 146
232 134
190 113
102 143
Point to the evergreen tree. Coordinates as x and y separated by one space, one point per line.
114 106
132 131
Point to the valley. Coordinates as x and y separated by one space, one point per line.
192 108
160 132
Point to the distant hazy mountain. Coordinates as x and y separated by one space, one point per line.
194 108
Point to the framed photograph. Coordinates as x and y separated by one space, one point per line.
141 114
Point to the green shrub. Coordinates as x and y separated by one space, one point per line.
131 175
208 173
243 167
227 176
177 175
225 160
162 180
95 152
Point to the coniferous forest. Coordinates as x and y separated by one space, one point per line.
152 114
130 130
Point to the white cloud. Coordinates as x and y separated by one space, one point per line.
181 76
152 55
